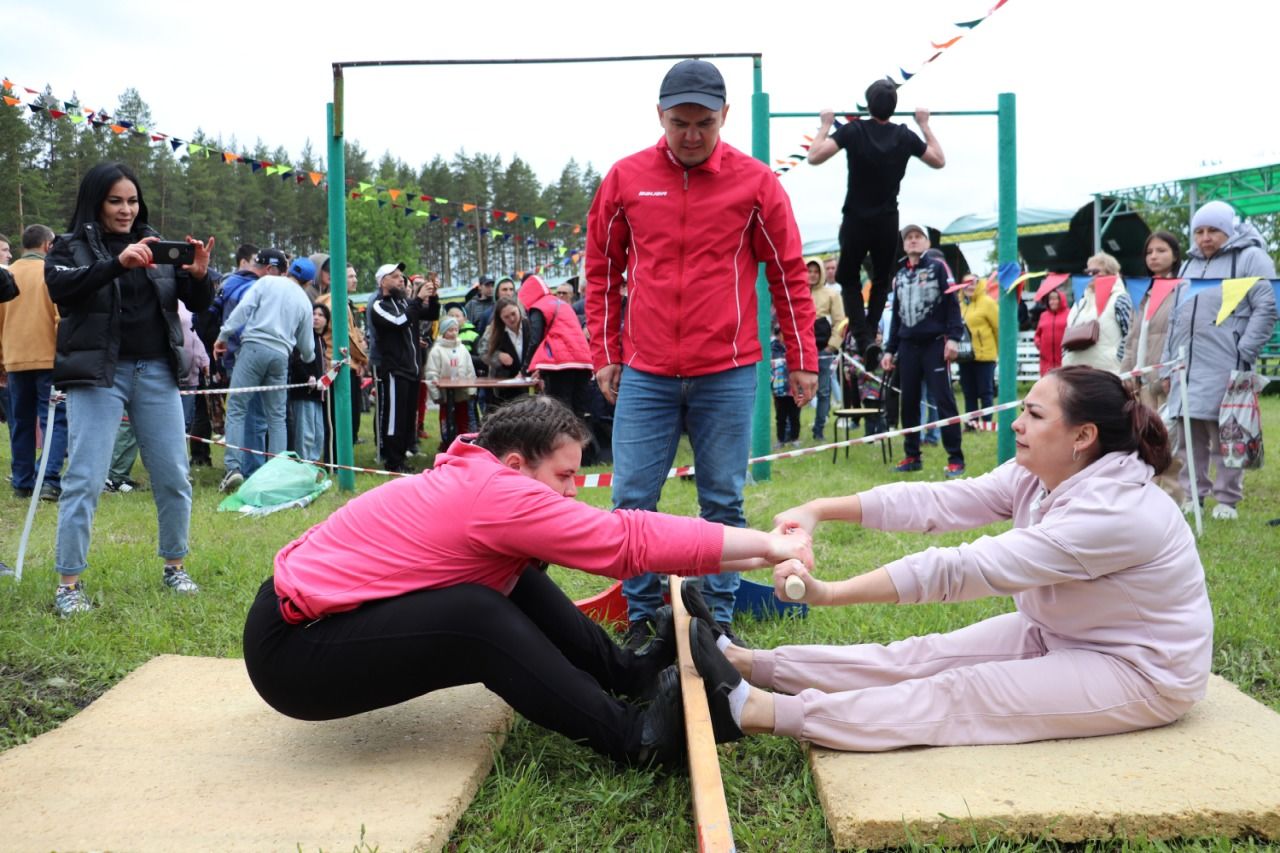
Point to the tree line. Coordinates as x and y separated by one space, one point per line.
42 159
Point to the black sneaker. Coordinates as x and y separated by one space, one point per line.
21 494
638 635
662 740
726 629
51 493
663 644
697 605
718 677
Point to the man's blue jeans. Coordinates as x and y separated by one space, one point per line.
825 359
147 391
256 364
652 410
29 402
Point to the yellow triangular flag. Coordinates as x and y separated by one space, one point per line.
1233 290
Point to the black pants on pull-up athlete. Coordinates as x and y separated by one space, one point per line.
533 648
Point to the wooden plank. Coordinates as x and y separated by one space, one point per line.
710 810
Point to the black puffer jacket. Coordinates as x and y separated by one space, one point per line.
83 281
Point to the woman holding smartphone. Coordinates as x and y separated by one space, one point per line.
120 352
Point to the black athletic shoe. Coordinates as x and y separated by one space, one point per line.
663 645
718 677
726 629
662 740
697 605
638 635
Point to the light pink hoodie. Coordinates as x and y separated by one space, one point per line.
471 519
1105 562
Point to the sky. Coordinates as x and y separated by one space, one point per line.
1110 93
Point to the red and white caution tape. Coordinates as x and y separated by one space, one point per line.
322 383
606 479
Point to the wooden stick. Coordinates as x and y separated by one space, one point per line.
710 811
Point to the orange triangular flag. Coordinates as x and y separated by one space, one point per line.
1102 286
13 102
467 207
395 194
228 156
316 178
577 229
945 44
1160 290
117 128
512 216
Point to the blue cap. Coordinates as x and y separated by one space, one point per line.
302 269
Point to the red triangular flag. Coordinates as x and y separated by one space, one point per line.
1102 286
1051 283
1160 290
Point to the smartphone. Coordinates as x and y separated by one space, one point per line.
173 252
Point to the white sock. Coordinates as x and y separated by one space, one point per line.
738 701
723 642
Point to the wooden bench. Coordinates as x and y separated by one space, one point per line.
845 418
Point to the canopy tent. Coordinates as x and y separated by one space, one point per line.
1031 220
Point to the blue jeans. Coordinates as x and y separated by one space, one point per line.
306 429
825 359
256 364
29 402
647 423
928 412
149 393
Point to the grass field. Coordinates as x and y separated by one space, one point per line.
544 792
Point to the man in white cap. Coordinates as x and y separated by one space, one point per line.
688 221
1224 249
394 315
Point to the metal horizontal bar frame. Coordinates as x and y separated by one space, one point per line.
374 63
932 113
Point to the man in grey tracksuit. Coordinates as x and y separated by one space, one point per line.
1223 249
273 319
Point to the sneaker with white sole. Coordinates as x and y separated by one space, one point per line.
231 481
1222 512
177 579
71 599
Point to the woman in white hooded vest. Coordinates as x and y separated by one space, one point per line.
1113 318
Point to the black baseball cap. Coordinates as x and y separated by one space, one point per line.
692 81
272 258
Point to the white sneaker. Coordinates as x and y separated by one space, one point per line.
1223 512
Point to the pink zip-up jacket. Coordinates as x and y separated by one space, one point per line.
1104 562
471 519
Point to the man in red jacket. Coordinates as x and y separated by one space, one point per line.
686 223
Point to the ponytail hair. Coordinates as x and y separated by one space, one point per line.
531 426
1125 424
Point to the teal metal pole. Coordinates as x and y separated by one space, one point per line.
342 388
1007 249
760 426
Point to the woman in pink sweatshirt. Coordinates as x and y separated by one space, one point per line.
439 579
1112 633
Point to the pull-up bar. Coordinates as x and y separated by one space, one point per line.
1007 247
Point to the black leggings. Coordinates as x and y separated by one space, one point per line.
533 648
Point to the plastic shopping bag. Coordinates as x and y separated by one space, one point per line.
1240 422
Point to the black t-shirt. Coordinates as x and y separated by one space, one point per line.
878 155
143 331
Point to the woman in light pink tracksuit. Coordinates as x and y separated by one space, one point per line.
1112 633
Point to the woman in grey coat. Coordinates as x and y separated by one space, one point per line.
1223 249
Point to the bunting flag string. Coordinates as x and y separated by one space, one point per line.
937 48
76 114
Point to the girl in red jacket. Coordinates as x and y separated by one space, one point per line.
366 610
1049 330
